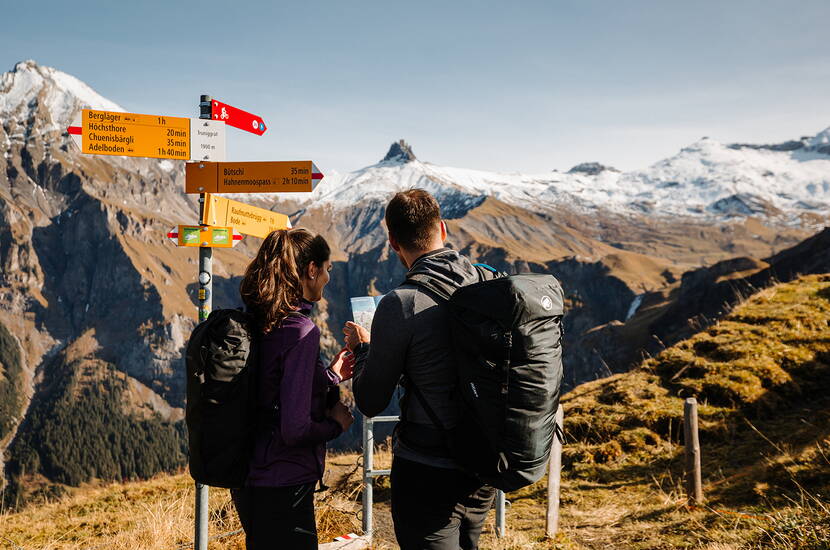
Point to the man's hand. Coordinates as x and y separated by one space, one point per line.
343 364
342 415
355 335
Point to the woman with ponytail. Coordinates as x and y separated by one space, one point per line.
297 399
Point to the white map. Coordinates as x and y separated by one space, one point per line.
363 310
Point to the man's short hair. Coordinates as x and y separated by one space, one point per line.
412 217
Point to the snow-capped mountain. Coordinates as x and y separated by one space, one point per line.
706 180
29 85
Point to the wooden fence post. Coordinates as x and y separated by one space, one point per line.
554 478
691 443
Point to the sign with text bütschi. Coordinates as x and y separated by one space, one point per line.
204 235
150 136
247 219
237 118
252 177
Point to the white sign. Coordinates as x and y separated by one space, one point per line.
207 140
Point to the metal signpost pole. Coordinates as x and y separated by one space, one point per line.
368 482
205 305
501 527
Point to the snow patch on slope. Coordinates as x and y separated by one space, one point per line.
706 179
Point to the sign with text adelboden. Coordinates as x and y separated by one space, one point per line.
153 136
252 177
247 219
204 235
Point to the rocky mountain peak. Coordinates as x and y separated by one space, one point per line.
30 87
591 168
399 151
820 142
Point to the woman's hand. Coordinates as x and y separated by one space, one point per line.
355 335
343 364
342 415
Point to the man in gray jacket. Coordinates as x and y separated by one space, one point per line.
435 505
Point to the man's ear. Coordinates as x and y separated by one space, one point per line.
443 231
393 242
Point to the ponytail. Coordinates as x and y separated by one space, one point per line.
272 286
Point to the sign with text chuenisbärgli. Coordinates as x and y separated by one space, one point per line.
151 136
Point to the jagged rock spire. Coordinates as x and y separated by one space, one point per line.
591 168
400 151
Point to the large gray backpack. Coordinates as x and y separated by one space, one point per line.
507 340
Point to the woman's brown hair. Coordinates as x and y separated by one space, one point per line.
272 287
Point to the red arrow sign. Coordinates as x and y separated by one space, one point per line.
237 118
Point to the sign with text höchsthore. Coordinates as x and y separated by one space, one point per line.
150 136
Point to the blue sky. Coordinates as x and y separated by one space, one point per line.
510 86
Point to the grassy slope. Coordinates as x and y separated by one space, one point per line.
762 376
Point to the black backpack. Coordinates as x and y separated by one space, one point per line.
507 340
220 415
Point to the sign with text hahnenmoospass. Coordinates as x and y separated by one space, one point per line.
252 177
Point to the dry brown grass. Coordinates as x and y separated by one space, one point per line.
154 515
762 376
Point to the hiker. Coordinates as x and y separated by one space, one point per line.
298 406
435 505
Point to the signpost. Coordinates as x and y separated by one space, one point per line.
204 235
252 177
247 219
200 538
153 136
237 117
201 139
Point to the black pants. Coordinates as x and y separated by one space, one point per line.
277 517
437 509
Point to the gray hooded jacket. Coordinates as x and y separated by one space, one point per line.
411 336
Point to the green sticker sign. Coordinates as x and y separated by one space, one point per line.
190 235
204 236
221 235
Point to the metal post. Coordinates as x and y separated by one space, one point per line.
368 482
694 483
205 305
501 526
555 477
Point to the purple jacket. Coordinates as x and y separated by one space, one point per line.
291 397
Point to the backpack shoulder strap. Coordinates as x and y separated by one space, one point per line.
428 283
445 291
488 272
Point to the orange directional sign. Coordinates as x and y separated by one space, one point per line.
203 235
133 135
247 219
252 177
